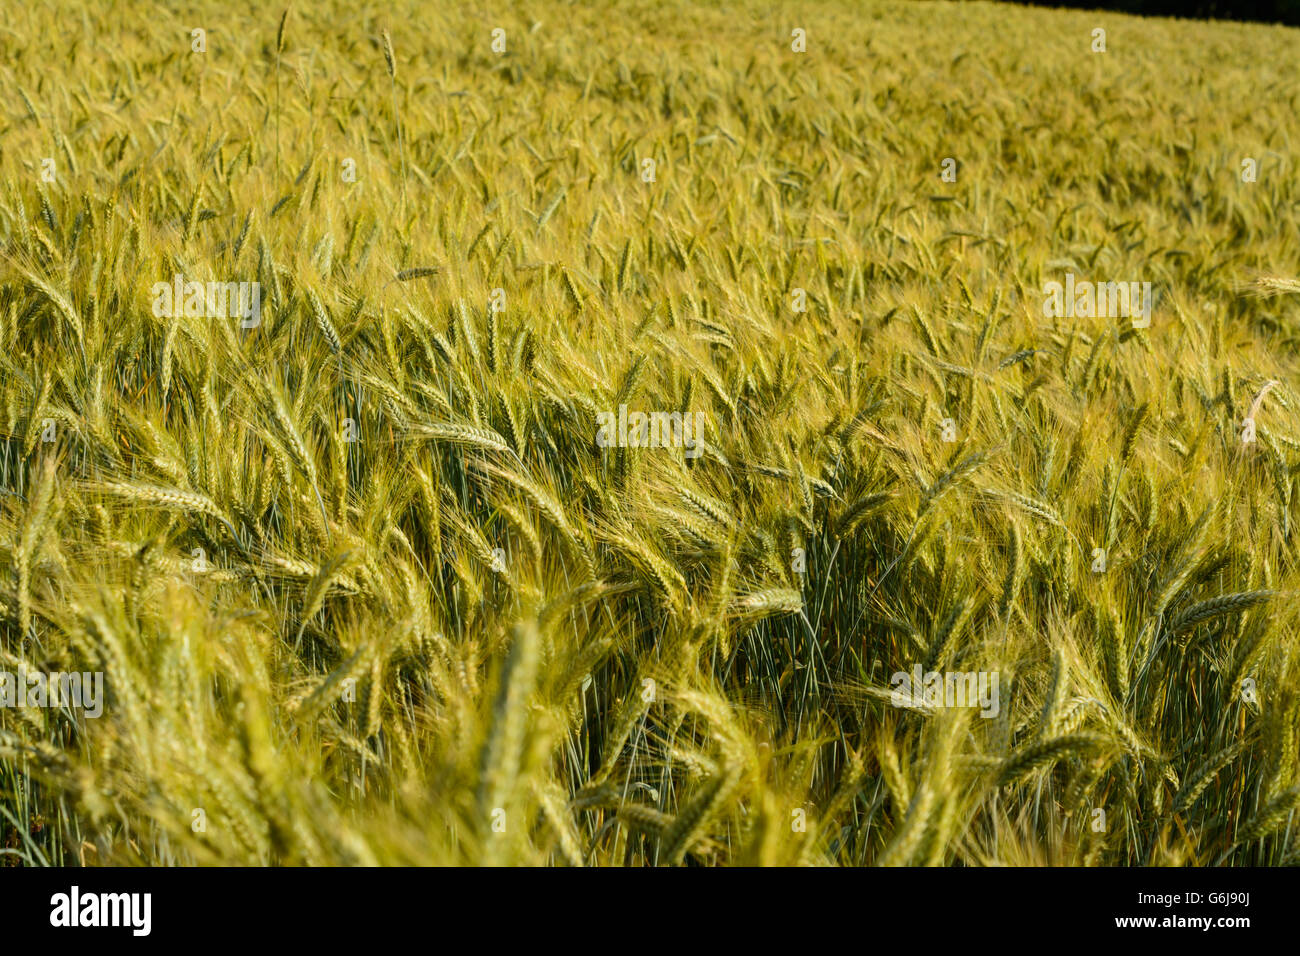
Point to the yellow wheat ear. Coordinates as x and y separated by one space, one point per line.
389 60
1259 399
1276 285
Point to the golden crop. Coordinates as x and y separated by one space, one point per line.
363 584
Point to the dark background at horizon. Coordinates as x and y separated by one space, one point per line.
1259 11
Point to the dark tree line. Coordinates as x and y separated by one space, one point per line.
1264 11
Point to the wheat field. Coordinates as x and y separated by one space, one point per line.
369 581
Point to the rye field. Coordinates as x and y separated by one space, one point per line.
626 434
